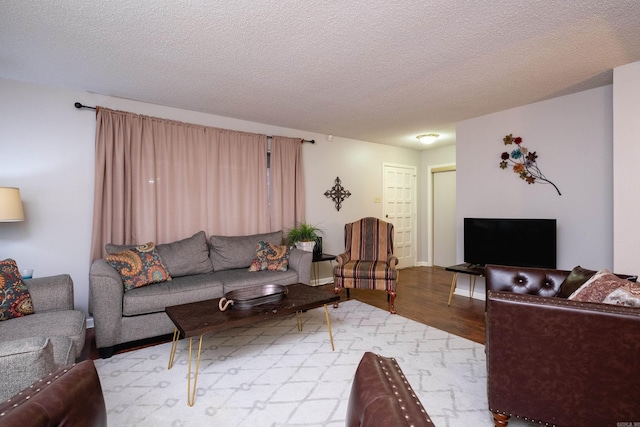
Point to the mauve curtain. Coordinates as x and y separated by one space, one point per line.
161 180
287 203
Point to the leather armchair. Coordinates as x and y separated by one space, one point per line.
381 396
555 361
368 261
71 396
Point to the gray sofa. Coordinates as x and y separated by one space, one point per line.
35 345
199 269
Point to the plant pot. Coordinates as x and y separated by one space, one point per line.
305 246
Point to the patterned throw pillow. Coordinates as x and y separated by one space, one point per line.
608 288
139 266
15 300
270 257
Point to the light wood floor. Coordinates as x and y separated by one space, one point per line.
423 293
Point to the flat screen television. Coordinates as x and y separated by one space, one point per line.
515 242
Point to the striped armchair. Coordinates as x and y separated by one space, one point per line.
368 261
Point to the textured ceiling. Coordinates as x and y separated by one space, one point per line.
379 71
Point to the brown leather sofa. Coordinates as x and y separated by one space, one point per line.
381 396
555 361
69 397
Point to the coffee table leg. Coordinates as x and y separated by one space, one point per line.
299 320
191 392
174 345
326 312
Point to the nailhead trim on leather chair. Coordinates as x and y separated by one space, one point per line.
382 396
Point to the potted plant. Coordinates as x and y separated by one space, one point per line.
304 236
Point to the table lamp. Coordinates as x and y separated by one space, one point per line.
10 205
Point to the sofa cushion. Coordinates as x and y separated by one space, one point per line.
576 278
270 257
229 252
187 256
15 300
181 290
139 266
606 287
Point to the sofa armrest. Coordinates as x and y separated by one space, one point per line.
392 261
70 396
300 261
343 258
105 302
51 293
382 396
524 280
563 362
23 361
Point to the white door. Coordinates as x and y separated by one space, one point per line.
399 209
444 216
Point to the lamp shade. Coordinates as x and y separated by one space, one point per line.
10 205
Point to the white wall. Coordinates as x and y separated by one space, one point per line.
626 180
47 149
572 136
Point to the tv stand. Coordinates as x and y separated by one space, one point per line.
473 270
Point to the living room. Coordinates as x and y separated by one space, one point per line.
53 166
586 144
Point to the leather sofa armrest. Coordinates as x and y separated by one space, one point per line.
561 361
52 293
71 397
381 396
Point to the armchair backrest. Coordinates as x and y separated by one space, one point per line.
369 239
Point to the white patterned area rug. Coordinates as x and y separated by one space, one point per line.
270 374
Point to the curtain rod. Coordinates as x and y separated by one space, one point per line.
80 106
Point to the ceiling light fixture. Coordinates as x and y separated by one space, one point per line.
427 138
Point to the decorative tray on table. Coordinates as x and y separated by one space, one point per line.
245 298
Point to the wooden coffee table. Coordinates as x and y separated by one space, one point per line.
204 317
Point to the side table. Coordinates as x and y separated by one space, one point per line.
317 259
472 270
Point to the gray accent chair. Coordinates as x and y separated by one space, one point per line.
35 345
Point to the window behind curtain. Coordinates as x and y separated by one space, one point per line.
161 180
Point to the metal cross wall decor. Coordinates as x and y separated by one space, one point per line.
337 193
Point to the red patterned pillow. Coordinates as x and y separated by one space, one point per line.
15 300
139 266
270 257
608 288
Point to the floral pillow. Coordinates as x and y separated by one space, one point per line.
270 257
15 300
139 266
606 287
